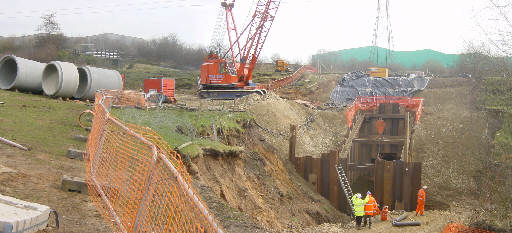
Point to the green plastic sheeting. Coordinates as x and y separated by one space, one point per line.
407 59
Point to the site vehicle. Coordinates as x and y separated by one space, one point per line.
161 88
378 72
282 66
229 75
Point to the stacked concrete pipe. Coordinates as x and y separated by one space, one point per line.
60 79
93 79
19 73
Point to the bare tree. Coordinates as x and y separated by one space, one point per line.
50 40
49 24
275 57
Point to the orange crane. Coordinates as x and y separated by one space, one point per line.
229 75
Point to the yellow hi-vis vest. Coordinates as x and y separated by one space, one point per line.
358 206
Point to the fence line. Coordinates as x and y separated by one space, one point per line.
137 181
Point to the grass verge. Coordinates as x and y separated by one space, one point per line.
178 126
136 73
39 122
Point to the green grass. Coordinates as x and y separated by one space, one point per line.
39 122
265 77
185 80
497 95
193 126
503 138
136 73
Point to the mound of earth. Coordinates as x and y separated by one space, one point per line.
258 191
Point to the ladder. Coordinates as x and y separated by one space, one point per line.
345 184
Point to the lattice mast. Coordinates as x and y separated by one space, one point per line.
245 48
374 54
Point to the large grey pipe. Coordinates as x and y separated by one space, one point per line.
20 73
401 217
93 79
404 224
60 79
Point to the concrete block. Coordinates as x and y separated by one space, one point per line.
75 154
81 138
74 184
21 216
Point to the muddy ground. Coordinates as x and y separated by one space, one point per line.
37 178
259 191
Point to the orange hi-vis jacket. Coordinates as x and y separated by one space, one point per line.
369 207
421 197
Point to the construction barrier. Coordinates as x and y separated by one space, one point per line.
460 228
135 179
414 104
276 84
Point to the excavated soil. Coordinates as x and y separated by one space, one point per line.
259 192
319 131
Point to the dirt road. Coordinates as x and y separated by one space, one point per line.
37 178
432 221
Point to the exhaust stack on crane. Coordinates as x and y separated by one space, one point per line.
224 77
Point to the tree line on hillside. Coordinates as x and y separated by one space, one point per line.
51 44
476 61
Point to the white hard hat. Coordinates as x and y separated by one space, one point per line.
425 187
358 195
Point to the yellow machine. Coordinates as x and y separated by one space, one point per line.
378 72
282 66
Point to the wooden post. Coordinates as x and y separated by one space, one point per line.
398 182
387 198
334 184
292 143
407 138
407 187
308 167
379 181
317 170
325 176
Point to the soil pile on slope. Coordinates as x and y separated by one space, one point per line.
318 131
259 192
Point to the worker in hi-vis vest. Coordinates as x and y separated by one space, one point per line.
358 204
422 197
369 209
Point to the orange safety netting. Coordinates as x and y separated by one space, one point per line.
459 228
276 84
372 102
135 179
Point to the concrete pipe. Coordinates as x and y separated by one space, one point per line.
20 73
406 224
401 217
93 79
60 79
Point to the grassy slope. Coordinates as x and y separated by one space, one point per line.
193 124
136 74
497 95
42 123
185 80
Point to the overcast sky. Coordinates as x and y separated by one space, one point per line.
301 28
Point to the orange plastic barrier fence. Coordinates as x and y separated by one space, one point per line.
135 179
276 84
459 228
372 102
